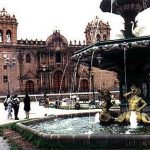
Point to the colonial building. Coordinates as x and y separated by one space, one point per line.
45 66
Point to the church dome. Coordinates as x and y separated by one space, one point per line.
56 37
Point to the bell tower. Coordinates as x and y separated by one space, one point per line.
8 28
97 31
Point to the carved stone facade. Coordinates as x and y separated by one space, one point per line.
43 66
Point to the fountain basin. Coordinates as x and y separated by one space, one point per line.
91 140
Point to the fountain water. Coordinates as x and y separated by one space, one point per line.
80 78
97 118
75 74
64 71
133 120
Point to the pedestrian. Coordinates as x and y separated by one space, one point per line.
27 108
8 106
16 103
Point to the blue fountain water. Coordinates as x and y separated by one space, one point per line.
84 125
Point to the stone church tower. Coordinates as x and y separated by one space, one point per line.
8 28
8 42
96 30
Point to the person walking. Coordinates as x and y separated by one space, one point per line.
16 103
27 108
8 106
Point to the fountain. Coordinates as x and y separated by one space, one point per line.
128 10
130 59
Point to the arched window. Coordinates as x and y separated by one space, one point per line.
8 36
1 35
84 86
104 37
58 82
98 37
58 57
30 87
28 58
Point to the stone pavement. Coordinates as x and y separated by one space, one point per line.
36 112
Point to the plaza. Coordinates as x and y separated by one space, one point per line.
37 112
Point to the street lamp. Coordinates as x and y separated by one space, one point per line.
44 86
10 62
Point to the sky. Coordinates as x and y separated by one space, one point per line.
38 18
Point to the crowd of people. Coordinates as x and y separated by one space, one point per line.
12 104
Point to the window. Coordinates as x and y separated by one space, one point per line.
5 67
5 78
28 58
30 87
104 37
1 36
98 37
58 57
8 36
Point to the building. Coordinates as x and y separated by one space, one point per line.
43 66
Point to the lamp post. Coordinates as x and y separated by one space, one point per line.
10 62
44 83
51 76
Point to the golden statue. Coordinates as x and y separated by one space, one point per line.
136 104
105 115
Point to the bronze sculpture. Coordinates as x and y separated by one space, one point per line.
136 104
106 115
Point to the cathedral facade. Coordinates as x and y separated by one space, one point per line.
45 66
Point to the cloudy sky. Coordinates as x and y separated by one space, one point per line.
38 18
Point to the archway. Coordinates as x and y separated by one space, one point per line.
30 87
58 82
84 86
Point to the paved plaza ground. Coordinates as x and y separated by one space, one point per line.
36 112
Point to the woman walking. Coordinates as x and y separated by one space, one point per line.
8 106
27 105
16 103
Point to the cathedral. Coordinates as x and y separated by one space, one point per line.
36 66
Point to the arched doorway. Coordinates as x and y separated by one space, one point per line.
30 87
84 86
58 82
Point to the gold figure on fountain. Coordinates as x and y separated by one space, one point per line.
136 104
105 116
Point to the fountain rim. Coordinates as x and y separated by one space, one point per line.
75 137
85 141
